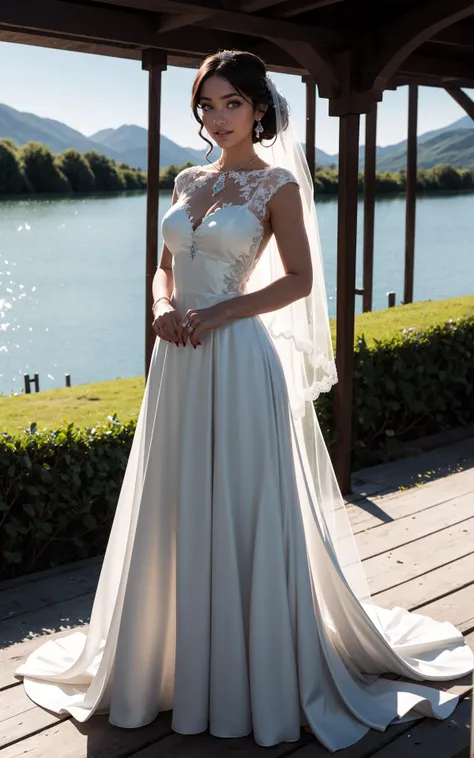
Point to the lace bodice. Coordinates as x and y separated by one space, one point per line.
216 240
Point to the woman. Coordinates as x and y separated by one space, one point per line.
231 589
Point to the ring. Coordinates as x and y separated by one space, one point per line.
186 322
190 329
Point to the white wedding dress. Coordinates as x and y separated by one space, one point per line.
221 594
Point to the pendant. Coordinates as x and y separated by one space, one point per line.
193 250
218 186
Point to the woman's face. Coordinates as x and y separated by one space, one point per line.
227 116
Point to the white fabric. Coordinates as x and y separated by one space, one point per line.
222 594
300 331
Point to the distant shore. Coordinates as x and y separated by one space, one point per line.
34 169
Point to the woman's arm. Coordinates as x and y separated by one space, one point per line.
167 321
287 223
163 281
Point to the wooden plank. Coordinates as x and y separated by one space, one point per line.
20 717
39 576
11 657
52 590
65 614
433 738
404 563
95 738
369 206
367 512
458 608
205 745
429 587
408 529
346 274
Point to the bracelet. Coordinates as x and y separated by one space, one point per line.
163 297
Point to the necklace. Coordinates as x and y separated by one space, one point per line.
219 185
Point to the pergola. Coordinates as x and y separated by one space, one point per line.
352 50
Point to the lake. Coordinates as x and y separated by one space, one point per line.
72 277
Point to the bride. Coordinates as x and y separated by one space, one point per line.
231 590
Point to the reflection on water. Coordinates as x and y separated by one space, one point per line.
72 272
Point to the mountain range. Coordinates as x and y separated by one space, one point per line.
452 144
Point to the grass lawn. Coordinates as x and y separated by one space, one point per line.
90 404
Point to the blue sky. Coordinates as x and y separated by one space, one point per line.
92 92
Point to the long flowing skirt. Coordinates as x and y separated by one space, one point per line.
221 595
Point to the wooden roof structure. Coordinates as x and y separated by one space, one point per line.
352 50
388 43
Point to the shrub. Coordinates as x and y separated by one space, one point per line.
411 385
107 175
11 175
77 170
41 169
59 490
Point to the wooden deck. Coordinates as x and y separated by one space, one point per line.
418 550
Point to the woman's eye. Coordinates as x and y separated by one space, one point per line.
204 106
234 102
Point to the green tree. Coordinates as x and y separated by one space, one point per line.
11 174
107 175
77 170
42 171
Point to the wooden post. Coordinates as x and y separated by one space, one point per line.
153 61
391 299
369 205
310 123
411 193
346 275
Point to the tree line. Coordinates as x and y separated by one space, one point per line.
34 168
441 178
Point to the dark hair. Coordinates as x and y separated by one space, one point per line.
248 74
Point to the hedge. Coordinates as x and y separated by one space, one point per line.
59 488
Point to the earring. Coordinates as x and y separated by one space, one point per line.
258 129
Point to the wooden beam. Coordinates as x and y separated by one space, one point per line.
442 67
170 21
462 99
310 140
369 206
402 35
260 26
411 193
254 6
318 64
458 35
297 7
155 63
346 273
402 80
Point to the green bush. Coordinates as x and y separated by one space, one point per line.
77 170
41 169
408 386
106 172
439 178
59 490
12 179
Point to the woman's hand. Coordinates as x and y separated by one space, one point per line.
167 324
203 320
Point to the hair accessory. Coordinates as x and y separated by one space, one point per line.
226 55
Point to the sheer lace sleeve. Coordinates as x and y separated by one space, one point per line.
266 189
182 179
